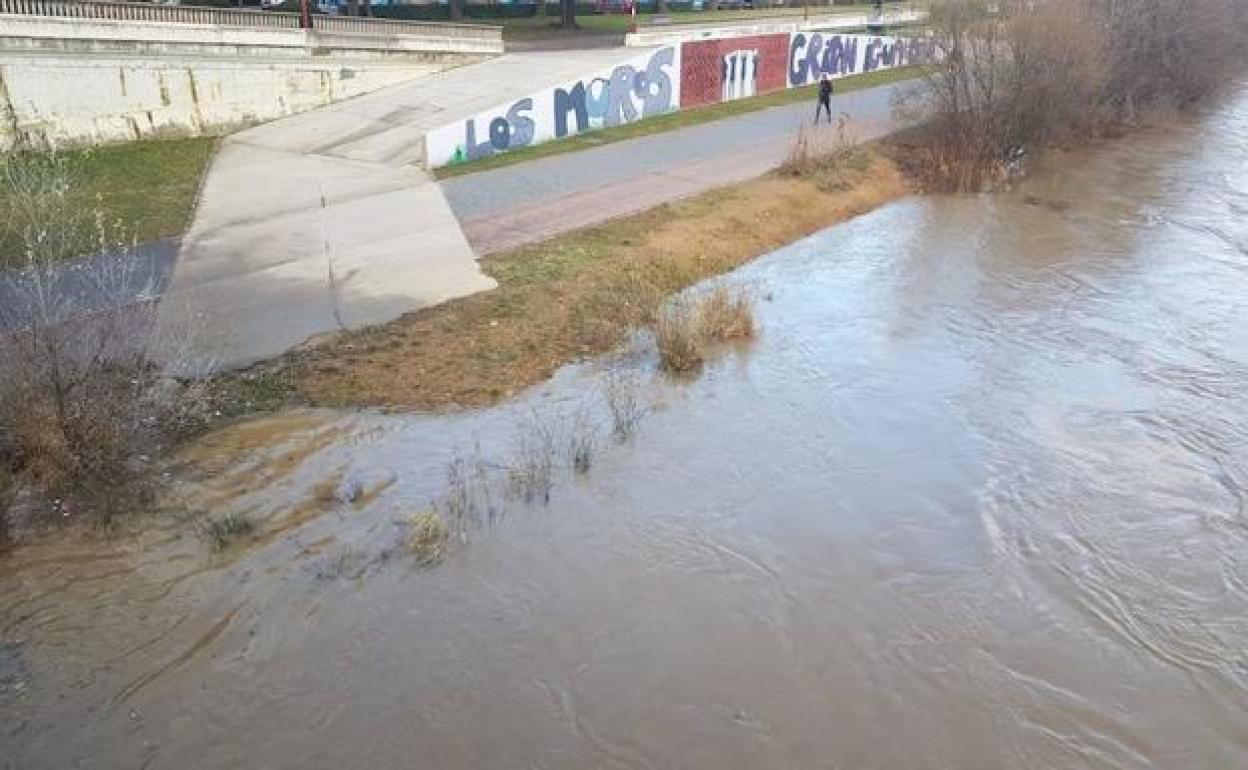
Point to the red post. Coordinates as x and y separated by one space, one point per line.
305 14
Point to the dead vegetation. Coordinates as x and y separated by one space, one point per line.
1016 76
428 538
688 325
621 391
220 531
678 337
831 159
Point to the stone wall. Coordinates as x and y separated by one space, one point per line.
72 82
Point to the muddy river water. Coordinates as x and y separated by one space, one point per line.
974 498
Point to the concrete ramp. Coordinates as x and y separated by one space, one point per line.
325 221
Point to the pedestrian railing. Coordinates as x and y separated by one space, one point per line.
240 17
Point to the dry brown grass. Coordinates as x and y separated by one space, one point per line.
679 338
830 158
574 296
726 313
428 538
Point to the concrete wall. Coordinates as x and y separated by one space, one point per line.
676 34
692 74
70 82
643 86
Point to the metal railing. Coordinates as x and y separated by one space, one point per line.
240 17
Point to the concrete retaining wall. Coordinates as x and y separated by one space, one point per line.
70 82
676 34
666 79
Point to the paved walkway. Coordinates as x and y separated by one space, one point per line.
321 221
529 202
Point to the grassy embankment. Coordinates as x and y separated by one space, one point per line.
676 120
575 296
144 189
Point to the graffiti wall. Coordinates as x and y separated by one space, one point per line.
811 56
722 70
667 79
641 87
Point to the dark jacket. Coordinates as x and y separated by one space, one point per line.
825 90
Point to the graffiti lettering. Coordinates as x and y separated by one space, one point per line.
900 52
810 59
505 133
642 87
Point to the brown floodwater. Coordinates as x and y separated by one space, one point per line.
974 498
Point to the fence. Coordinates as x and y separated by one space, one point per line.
239 17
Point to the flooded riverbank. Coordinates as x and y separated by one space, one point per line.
973 499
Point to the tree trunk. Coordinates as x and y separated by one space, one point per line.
567 14
456 9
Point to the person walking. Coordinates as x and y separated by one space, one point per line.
825 98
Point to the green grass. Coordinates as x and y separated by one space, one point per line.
145 188
673 121
528 28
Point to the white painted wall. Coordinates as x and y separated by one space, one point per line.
644 85
71 82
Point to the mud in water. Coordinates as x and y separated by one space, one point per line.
973 499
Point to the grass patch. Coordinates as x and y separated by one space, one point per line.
572 297
679 338
675 120
144 189
830 161
726 314
221 531
428 537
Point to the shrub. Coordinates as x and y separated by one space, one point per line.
81 404
832 162
678 335
726 314
428 538
621 390
220 532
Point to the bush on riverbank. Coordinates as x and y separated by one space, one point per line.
82 408
1062 71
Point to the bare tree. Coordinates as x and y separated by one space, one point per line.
1020 75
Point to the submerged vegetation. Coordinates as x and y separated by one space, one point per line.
428 537
220 531
686 326
1017 76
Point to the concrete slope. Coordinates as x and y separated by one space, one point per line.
388 126
320 221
